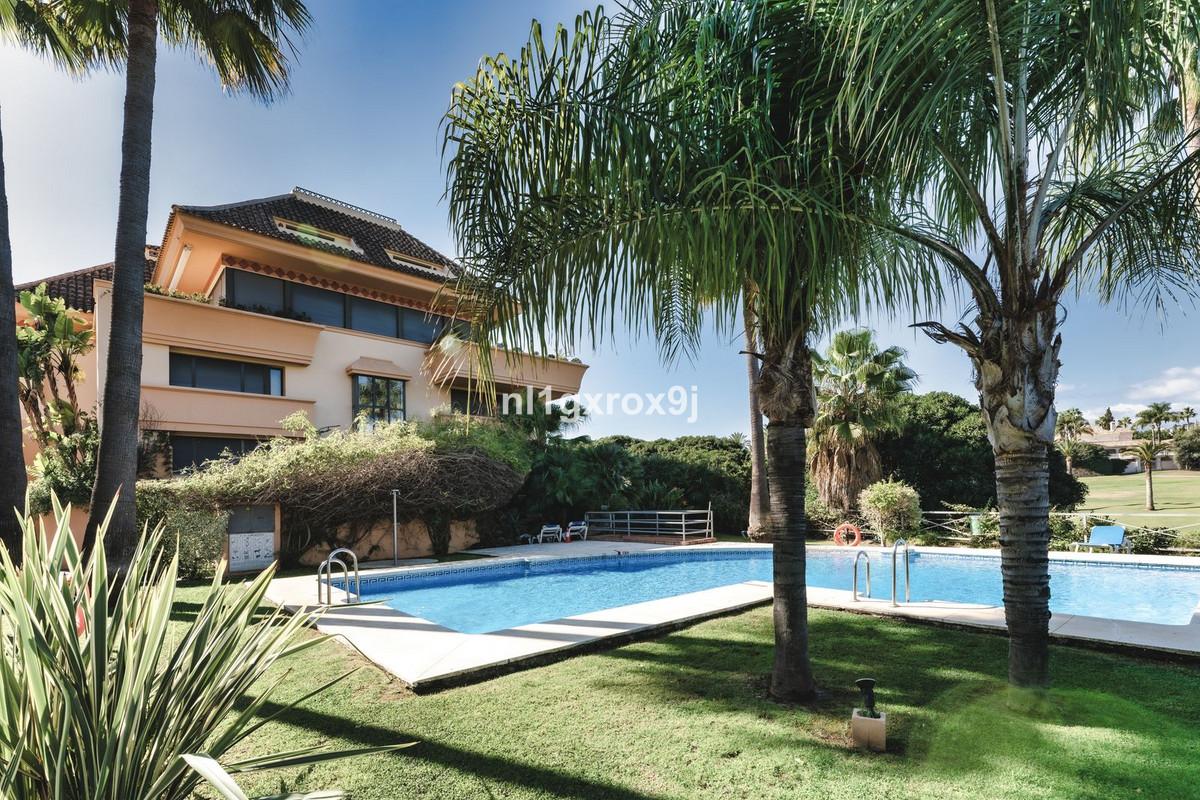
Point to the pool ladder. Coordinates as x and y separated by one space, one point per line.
859 556
326 569
907 582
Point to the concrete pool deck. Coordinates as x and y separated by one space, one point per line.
427 656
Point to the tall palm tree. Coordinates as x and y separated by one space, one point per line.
639 162
759 491
1146 453
247 43
1187 414
43 28
858 386
1024 136
1154 417
1071 426
1125 422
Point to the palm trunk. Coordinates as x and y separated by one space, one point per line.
1016 370
116 465
1023 494
785 390
759 496
1149 487
12 458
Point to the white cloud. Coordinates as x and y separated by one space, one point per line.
1175 385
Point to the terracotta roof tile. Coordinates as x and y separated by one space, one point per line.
75 288
374 234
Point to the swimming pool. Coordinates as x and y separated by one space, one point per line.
497 596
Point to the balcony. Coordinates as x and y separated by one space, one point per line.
190 325
460 366
184 409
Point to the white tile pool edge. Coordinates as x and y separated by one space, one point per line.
423 654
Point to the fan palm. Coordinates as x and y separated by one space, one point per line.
42 28
1146 453
1043 135
247 43
1187 414
637 164
857 389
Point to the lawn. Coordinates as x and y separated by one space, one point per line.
1124 497
685 716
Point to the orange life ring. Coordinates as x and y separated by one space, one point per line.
839 535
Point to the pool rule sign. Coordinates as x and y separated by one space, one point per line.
253 537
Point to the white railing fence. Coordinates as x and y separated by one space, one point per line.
693 524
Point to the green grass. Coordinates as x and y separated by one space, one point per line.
1124 497
686 716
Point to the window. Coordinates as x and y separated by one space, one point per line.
194 451
378 399
372 317
313 235
318 305
254 292
421 327
463 402
202 372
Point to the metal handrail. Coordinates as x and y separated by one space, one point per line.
895 547
357 578
854 577
681 523
327 569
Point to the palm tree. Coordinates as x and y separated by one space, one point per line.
42 28
1071 426
1154 417
247 43
1023 136
1106 420
1125 422
857 389
1187 414
759 491
1146 453
612 173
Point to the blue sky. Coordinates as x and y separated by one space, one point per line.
361 124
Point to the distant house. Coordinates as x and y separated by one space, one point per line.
258 309
1119 440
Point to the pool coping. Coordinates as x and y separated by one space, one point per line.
426 656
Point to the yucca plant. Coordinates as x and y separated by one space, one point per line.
103 697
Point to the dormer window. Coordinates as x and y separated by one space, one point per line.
404 262
313 235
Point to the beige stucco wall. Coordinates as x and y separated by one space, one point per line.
412 539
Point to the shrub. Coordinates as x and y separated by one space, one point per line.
1187 448
891 508
1188 538
197 535
333 488
103 694
1153 540
1066 531
940 448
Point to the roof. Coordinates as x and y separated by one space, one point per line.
374 234
75 288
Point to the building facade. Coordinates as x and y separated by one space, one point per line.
260 309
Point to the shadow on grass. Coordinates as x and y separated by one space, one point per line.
554 783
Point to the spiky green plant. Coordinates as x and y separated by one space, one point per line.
103 696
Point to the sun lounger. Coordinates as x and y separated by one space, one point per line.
577 530
1105 537
550 531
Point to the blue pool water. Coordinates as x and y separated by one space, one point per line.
498 596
